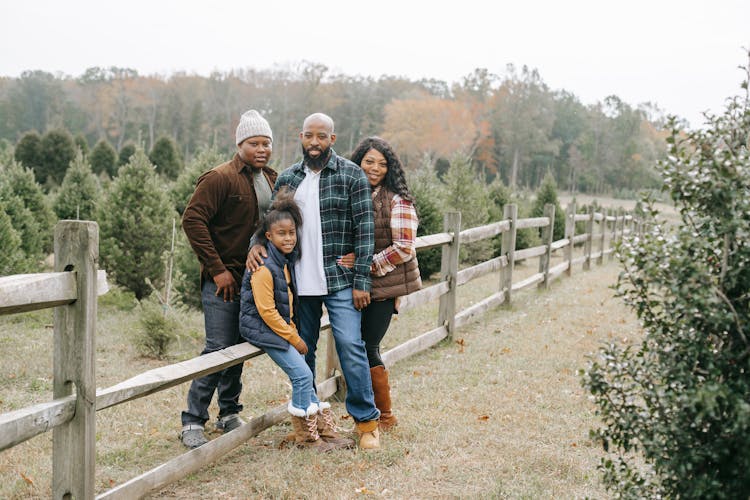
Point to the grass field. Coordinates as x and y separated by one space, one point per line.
496 413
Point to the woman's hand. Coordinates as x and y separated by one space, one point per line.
346 260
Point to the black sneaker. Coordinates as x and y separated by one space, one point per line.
229 423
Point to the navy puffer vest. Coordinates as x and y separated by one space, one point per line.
252 327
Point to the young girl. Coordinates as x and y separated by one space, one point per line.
267 306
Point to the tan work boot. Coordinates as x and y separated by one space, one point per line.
382 391
327 428
306 430
369 436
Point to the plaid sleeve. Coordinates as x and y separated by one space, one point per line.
364 230
404 224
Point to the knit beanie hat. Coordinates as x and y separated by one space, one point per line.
251 125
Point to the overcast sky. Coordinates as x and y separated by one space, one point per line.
681 55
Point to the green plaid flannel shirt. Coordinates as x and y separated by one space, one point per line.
346 219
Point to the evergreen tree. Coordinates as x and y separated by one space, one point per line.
548 194
466 194
427 191
29 151
135 218
19 183
184 186
103 158
10 245
128 150
165 157
82 144
7 152
79 193
57 151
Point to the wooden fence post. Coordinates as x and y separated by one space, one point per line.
603 229
588 246
570 232
73 444
547 239
613 237
508 248
333 364
449 272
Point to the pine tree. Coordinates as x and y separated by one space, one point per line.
466 194
24 194
103 158
135 218
10 245
427 191
548 194
29 151
184 186
165 157
82 144
126 152
79 193
57 151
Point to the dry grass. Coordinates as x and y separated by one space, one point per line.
498 412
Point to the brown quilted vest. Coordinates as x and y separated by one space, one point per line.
405 278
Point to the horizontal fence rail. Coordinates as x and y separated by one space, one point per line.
76 282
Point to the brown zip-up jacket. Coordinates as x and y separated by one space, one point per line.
221 217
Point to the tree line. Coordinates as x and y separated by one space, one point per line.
514 127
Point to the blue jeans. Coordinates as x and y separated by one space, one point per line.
294 365
222 320
346 324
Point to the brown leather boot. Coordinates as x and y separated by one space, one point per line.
306 433
369 436
382 391
327 428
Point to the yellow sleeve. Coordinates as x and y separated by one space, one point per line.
261 282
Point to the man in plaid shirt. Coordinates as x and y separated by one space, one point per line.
334 196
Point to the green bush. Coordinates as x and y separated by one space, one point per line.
57 150
157 331
676 406
10 245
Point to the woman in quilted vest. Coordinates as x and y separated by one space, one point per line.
394 266
268 300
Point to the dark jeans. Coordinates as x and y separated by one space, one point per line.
222 320
375 321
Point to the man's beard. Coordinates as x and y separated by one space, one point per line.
318 162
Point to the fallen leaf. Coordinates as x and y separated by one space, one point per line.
505 350
364 491
483 418
415 373
27 479
573 445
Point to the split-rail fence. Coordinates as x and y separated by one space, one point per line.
73 287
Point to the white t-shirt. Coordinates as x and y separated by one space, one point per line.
311 277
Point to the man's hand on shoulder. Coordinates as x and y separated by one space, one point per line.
226 286
255 257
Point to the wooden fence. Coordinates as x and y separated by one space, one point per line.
73 287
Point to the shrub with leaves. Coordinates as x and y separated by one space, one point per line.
165 157
676 407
